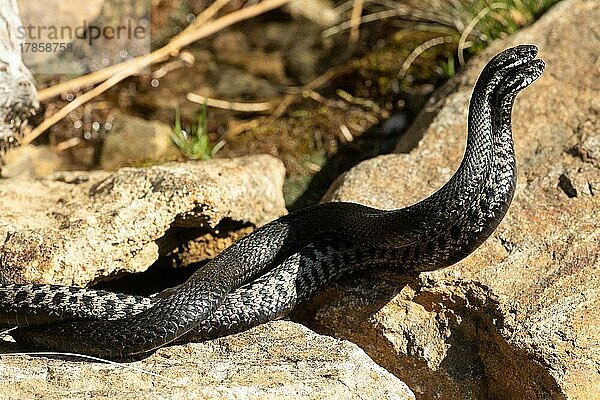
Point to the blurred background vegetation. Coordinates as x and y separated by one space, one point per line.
319 84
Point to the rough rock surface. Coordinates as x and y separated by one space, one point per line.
280 360
518 318
77 227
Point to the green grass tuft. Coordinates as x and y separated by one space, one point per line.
448 67
196 144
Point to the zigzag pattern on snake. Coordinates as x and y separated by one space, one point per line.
265 274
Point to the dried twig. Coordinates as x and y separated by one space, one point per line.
285 102
239 127
359 101
79 100
346 133
279 106
436 41
355 21
230 105
324 100
67 144
364 19
293 93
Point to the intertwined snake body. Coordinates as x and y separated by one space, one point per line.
268 272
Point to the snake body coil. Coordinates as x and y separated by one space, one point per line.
268 272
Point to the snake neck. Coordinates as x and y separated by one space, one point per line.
484 214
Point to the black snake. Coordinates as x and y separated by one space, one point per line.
265 274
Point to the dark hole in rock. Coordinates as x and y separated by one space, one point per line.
565 184
182 252
159 276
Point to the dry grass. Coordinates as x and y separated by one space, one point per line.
468 24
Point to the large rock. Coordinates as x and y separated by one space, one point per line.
78 227
280 360
518 319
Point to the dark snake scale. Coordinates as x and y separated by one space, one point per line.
267 273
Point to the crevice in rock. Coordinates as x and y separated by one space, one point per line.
182 252
157 277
